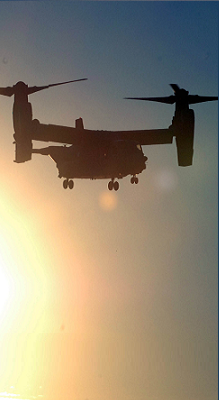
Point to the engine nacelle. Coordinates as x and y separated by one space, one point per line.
23 151
185 139
22 118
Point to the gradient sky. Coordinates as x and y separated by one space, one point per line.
104 295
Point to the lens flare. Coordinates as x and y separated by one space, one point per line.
166 180
108 201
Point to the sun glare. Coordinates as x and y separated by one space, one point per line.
6 288
166 180
25 294
108 201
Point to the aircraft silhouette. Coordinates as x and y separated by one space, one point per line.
183 122
101 154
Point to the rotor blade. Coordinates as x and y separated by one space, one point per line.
63 83
175 87
200 99
7 91
35 89
165 100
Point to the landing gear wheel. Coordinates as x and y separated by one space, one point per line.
110 185
113 185
65 183
134 179
116 186
70 184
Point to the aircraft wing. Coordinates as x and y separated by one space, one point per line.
70 135
55 133
146 137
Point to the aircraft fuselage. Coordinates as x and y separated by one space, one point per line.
109 161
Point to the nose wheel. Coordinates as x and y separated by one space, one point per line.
113 185
134 179
68 183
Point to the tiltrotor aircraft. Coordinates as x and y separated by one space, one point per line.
94 154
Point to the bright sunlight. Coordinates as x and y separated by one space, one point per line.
26 290
6 289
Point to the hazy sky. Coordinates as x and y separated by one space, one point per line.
104 295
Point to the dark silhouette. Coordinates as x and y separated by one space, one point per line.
22 116
100 154
183 122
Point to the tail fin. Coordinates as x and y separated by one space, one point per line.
79 123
